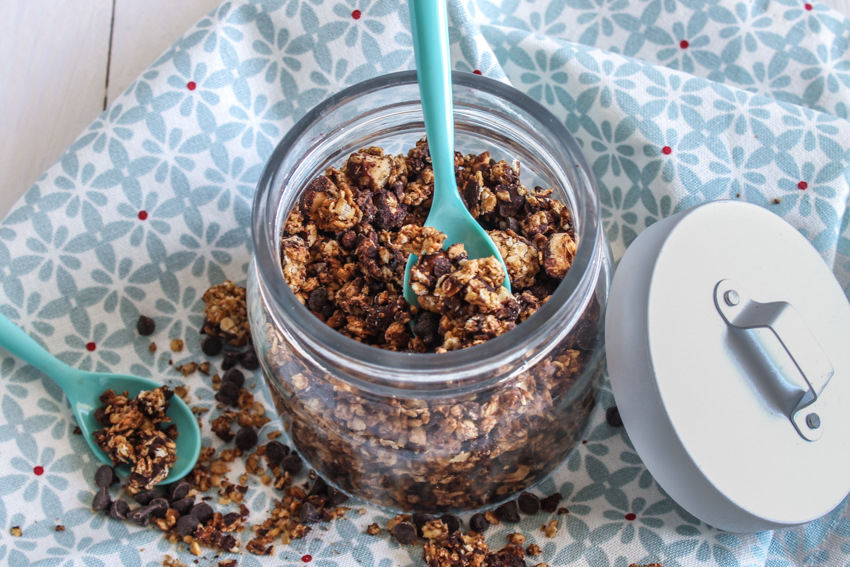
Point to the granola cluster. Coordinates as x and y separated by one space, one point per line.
225 314
434 453
132 434
345 246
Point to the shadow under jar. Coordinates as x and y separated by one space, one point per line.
432 432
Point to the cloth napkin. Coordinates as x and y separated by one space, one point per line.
675 102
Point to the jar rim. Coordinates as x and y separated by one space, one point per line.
429 370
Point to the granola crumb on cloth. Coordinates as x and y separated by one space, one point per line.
226 313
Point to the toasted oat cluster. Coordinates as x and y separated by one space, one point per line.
133 434
344 250
226 315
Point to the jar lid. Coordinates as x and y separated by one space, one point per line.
727 342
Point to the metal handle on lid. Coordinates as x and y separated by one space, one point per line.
741 312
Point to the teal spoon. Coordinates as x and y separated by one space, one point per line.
448 214
83 389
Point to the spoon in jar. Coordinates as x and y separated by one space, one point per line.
448 214
84 389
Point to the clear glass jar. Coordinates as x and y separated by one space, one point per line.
432 432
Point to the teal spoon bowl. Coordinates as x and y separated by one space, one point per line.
84 388
449 215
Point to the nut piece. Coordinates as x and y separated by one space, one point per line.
516 539
177 346
551 528
373 529
16 531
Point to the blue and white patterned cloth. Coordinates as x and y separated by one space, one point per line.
675 102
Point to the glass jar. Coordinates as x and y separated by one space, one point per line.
432 432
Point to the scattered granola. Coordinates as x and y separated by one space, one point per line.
373 529
226 314
132 434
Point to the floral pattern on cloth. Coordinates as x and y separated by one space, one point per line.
675 102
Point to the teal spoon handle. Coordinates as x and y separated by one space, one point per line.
433 68
20 344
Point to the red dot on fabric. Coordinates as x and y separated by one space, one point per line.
477 72
630 516
802 185
307 558
808 6
666 150
38 471
356 15
684 44
191 85
143 215
91 346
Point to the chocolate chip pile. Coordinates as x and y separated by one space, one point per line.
132 434
344 249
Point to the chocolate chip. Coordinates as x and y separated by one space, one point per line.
508 512
276 452
202 512
319 487
309 514
119 510
427 326
101 501
187 525
478 523
528 503
292 464
336 497
184 506
317 300
158 507
230 360
550 503
211 345
179 491
141 516
145 326
612 416
230 519
144 497
250 360
234 375
228 393
404 533
105 476
246 438
452 522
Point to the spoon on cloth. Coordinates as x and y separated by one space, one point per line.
449 215
84 389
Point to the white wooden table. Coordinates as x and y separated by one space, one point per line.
63 61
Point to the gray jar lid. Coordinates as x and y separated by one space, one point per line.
728 344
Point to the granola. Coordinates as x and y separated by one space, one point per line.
132 434
226 314
439 453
